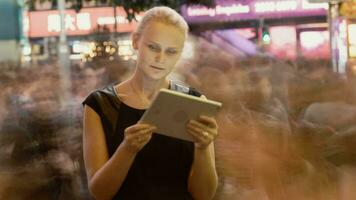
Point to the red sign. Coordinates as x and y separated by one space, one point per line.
47 23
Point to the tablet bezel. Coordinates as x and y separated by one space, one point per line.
171 110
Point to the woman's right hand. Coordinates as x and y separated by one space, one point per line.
137 136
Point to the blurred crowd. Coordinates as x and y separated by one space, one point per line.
287 129
41 127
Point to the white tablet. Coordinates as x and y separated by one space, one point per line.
171 110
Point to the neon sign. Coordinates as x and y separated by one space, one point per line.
47 23
219 10
268 6
250 9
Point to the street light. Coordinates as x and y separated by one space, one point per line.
63 56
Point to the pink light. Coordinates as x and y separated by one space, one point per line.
246 32
352 39
46 23
352 34
271 6
315 44
313 39
283 41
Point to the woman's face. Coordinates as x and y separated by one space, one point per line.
159 48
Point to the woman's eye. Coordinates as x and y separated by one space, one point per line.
153 47
171 51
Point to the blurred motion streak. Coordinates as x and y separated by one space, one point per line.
287 128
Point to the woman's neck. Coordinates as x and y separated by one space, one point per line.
146 88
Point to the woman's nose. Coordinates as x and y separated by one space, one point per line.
160 57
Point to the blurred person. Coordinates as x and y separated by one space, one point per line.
123 158
254 159
215 84
334 114
314 83
339 147
258 92
86 80
347 183
117 71
6 81
34 140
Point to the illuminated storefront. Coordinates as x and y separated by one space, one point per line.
281 27
47 23
352 39
82 29
348 16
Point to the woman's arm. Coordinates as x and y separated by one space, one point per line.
203 180
106 175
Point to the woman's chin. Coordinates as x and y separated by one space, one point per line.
156 75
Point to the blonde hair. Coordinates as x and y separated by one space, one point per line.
162 14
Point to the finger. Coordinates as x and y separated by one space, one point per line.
150 125
133 142
137 142
140 135
146 139
142 141
201 133
202 127
136 136
152 129
197 124
203 97
132 138
195 127
137 127
210 121
200 138
145 134
140 128
148 132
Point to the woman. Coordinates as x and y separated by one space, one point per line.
123 159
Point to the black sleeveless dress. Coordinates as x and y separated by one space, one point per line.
161 169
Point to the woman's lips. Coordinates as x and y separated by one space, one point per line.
159 68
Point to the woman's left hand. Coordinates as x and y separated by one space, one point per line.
204 130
